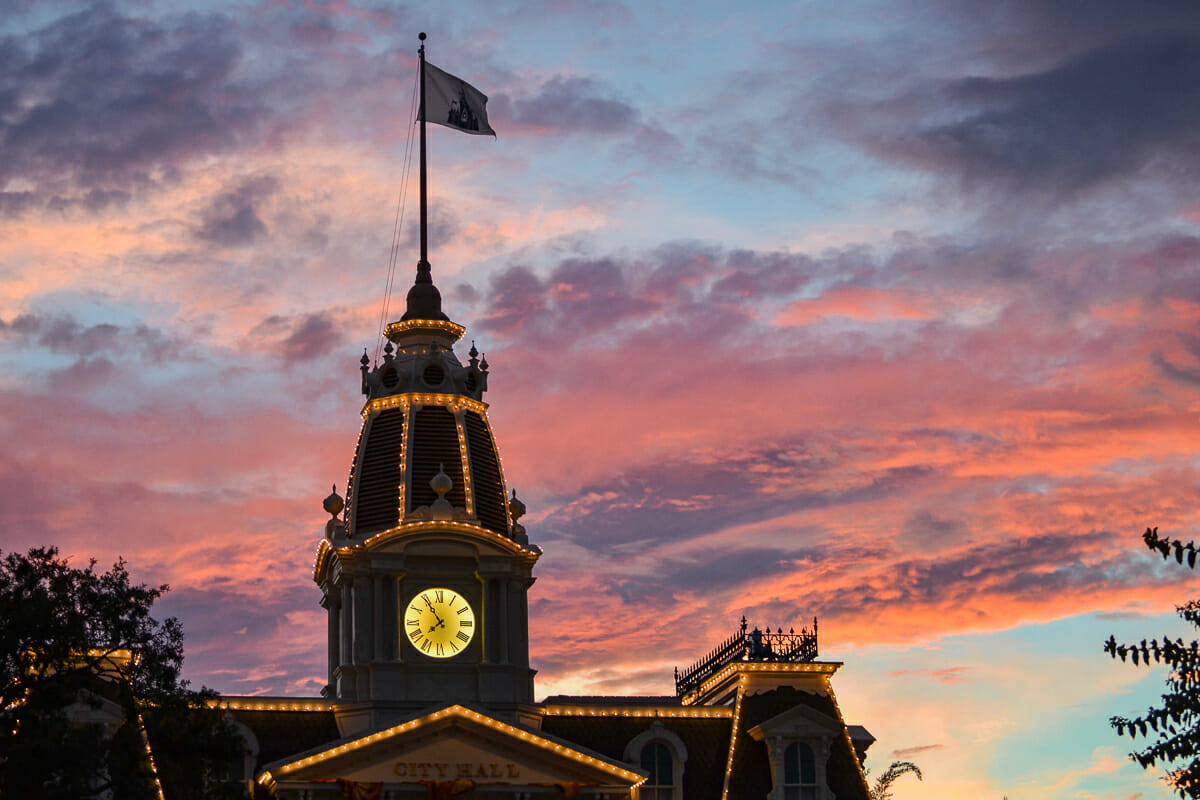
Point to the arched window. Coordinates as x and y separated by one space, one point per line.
662 755
657 761
799 772
241 768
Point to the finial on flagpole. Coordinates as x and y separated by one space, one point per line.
421 36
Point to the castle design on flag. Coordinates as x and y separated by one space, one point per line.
460 115
451 101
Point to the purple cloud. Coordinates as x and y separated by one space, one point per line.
232 219
98 103
571 104
1099 116
62 333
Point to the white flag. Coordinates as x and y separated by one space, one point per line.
453 102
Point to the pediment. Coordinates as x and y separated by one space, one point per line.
797 723
454 743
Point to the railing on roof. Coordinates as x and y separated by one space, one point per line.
752 645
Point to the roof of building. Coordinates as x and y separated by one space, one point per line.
615 700
706 739
283 733
751 771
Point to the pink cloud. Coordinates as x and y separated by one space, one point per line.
948 675
864 304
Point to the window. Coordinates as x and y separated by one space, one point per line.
799 772
657 761
662 755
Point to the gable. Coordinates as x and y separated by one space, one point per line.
751 772
451 744
798 722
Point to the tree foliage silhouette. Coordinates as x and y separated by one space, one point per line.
88 679
1172 730
882 788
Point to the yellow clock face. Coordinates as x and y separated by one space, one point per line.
439 622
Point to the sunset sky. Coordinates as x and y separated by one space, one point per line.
884 313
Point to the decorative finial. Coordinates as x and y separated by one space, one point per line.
421 36
483 365
515 507
441 509
366 389
516 510
441 482
473 353
334 504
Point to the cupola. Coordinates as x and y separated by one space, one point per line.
424 418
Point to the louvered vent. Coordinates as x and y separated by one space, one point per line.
490 506
377 491
434 375
432 446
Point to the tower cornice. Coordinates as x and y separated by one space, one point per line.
397 329
327 553
454 402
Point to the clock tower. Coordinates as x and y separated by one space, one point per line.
424 568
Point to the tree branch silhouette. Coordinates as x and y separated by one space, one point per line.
1173 728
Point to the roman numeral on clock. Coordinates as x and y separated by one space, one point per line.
463 637
466 623
438 595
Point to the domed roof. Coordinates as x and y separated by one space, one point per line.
425 419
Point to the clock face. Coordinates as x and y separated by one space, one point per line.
439 622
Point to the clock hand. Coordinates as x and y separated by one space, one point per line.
432 611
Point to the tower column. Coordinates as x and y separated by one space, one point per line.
362 619
379 650
345 626
502 606
521 619
332 604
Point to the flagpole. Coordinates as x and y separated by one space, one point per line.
424 263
